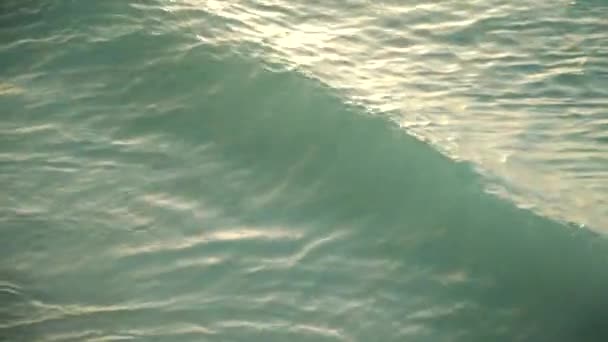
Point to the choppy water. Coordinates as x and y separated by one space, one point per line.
303 170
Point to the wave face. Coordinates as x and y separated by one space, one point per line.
238 171
518 89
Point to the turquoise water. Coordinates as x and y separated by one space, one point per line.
303 171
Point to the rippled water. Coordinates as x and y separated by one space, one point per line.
274 170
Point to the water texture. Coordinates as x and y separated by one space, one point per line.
304 171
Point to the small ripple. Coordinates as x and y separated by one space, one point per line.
173 330
72 335
45 312
10 89
167 201
169 331
113 338
320 331
305 251
227 235
190 264
317 331
10 288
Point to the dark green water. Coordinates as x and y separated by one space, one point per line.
170 172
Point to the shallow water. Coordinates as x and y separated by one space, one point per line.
264 171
